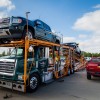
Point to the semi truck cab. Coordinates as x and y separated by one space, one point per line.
12 68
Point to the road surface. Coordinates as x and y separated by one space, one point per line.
74 87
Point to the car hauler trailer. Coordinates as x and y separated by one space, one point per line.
34 62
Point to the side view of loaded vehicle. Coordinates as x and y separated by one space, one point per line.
14 28
93 68
75 46
30 63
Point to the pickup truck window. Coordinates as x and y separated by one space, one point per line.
39 24
78 49
47 28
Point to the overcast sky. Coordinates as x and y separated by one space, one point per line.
77 20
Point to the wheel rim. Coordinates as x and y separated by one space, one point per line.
68 71
33 82
72 70
30 35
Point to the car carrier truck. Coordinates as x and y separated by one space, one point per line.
32 62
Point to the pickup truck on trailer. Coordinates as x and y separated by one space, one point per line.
14 28
75 46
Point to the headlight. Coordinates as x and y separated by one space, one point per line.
20 77
16 20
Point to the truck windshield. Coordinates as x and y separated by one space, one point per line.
17 52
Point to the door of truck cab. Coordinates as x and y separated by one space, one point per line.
42 61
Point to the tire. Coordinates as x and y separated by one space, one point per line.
57 42
4 41
33 83
69 72
72 70
88 76
30 34
1 42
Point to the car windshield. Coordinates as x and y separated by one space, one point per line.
78 49
95 60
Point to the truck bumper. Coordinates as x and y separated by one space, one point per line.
10 34
12 85
94 73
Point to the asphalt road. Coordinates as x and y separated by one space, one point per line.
74 87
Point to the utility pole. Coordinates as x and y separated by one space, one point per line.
62 37
26 50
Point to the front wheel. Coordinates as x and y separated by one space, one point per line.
30 34
72 70
69 72
4 41
33 83
57 42
88 76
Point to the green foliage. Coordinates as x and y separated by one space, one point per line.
87 54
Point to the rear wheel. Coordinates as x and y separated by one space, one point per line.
33 83
4 41
72 70
69 71
30 34
88 76
57 42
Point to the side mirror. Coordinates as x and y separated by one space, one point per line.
31 49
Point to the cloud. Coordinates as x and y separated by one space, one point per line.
89 22
97 6
5 7
91 45
69 39
7 4
82 36
3 14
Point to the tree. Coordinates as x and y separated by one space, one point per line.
88 54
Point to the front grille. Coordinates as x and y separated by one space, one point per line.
7 68
97 73
4 22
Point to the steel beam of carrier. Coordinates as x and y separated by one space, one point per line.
26 43
35 42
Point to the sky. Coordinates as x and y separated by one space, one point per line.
77 20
